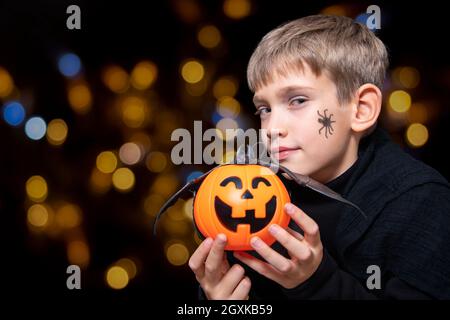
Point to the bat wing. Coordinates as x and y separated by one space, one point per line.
186 192
316 186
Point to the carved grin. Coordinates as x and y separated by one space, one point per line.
224 214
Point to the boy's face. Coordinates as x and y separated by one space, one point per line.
302 116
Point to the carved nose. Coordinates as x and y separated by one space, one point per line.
247 195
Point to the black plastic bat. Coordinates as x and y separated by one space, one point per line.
190 188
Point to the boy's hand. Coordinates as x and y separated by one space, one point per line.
217 279
306 252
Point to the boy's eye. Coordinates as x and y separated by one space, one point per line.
262 111
297 101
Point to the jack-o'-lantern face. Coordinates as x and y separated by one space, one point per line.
240 201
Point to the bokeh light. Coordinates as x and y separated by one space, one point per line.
129 266
68 216
336 10
400 101
37 215
115 78
228 107
417 135
225 86
144 75
209 36
35 128
237 9
409 77
100 182
36 188
117 277
192 71
130 153
134 112
153 203
177 254
78 253
6 83
80 98
69 65
106 162
156 161
13 113
123 179
57 132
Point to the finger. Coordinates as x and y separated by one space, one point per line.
230 280
295 234
225 266
308 225
242 290
298 249
271 256
259 266
198 258
215 258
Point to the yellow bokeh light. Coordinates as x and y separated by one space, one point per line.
6 83
134 112
177 254
68 216
409 77
237 9
417 135
100 182
106 162
209 36
57 132
335 10
144 75
123 179
36 188
78 253
192 71
197 89
117 277
80 98
142 139
130 153
153 203
115 78
188 208
418 113
228 107
225 86
37 215
165 184
156 161
129 266
400 101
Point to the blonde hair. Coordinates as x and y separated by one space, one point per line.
348 51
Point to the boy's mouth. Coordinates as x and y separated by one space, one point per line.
283 152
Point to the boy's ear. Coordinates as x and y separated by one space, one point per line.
367 107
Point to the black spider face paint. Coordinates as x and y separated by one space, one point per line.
326 122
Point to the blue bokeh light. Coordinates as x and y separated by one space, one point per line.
13 113
69 65
35 128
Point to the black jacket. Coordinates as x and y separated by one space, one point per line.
406 232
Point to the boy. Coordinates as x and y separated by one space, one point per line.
317 83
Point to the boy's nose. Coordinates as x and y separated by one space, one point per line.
273 133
